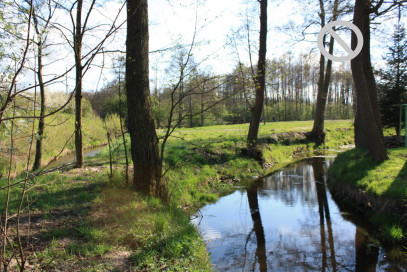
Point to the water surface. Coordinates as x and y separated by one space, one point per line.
70 157
288 222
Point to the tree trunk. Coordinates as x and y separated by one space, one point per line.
368 126
123 132
202 107
317 133
259 82
78 85
144 141
190 111
180 94
41 121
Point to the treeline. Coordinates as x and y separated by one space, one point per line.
205 99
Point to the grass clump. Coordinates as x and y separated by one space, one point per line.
389 228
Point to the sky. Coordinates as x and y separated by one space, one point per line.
173 22
217 21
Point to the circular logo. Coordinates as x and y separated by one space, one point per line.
351 53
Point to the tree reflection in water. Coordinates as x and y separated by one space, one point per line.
258 228
366 255
289 222
323 209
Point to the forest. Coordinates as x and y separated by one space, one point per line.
176 135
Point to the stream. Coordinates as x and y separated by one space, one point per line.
70 157
288 222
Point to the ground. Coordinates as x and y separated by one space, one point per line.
82 220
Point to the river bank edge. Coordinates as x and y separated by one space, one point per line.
382 212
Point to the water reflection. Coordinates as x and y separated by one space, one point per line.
366 254
70 157
323 209
289 222
258 228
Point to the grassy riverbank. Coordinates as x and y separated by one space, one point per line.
58 137
82 221
204 163
380 186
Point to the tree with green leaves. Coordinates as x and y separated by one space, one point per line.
393 84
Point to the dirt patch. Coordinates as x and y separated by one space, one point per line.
119 260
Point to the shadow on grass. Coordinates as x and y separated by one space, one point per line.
73 198
351 166
383 206
74 195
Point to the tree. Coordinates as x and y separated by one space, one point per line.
74 36
41 23
393 85
317 132
260 82
78 33
144 141
368 125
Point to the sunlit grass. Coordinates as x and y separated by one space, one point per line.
203 161
388 179
159 235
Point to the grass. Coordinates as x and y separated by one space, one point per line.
58 138
386 181
84 222
204 162
159 236
81 221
